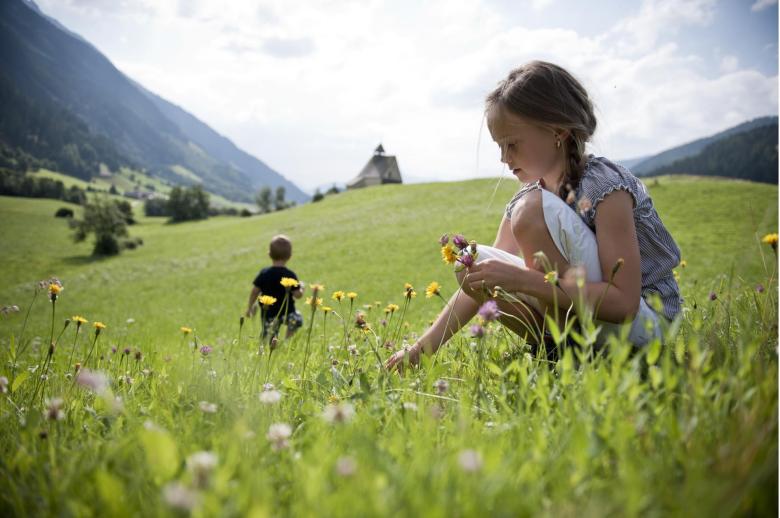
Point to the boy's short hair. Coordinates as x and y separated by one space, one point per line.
280 248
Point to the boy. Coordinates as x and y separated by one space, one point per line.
268 282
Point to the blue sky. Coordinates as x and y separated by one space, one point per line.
312 87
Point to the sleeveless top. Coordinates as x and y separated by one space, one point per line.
658 251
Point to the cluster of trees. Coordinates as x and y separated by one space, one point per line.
318 196
183 204
15 183
107 220
270 202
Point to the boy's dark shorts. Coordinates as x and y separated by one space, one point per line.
294 321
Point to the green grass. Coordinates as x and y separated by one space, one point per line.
601 439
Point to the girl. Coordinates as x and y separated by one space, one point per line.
579 210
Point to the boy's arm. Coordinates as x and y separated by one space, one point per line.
251 308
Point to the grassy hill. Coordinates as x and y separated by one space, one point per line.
481 428
370 241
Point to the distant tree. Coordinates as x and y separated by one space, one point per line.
112 189
127 211
156 207
279 203
191 203
104 219
318 196
263 200
333 190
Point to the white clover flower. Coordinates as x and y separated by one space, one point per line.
96 381
201 464
270 397
208 408
338 413
179 496
278 433
346 466
470 461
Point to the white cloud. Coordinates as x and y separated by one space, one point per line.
411 75
760 5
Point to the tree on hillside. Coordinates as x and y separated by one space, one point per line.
318 196
263 200
185 204
104 219
279 203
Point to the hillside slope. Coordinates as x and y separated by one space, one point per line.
371 241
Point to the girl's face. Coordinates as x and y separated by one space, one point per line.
526 147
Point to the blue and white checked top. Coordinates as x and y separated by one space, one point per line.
657 249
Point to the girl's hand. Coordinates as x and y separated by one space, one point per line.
487 274
396 361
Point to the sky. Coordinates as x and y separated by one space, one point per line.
311 87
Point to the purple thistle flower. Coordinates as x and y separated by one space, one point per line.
459 241
205 350
760 288
444 239
466 260
713 295
126 350
477 331
489 311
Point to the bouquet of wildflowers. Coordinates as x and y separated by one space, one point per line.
460 252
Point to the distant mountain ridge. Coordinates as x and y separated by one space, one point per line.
51 66
648 165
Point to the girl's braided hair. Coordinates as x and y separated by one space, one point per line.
549 95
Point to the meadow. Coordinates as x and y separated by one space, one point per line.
185 413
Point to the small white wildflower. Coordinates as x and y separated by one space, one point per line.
408 405
3 384
130 321
53 410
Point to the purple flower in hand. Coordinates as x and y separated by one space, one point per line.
459 241
489 311
466 260
444 239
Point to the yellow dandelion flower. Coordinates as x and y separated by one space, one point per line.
313 301
408 286
351 295
337 295
410 294
98 325
333 399
266 300
289 282
327 309
433 289
770 239
391 308
676 274
448 254
79 320
54 289
683 263
551 277
315 288
185 330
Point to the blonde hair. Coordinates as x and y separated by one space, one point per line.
280 248
549 95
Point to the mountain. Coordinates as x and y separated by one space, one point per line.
748 155
648 165
61 73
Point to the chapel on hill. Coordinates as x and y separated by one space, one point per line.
380 169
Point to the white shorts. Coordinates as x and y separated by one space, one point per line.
577 244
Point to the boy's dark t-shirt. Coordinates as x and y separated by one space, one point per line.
269 281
